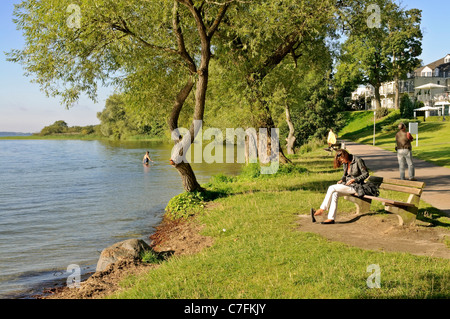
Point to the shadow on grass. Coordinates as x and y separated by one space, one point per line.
431 215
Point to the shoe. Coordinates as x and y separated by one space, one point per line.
413 179
313 211
328 223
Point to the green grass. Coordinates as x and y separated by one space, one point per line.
258 251
433 142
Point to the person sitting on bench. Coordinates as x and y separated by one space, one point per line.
355 172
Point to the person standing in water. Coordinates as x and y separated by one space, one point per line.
146 160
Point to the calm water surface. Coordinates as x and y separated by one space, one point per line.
63 202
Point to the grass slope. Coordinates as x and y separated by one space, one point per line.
433 142
258 251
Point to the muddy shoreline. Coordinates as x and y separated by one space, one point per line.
170 238
369 231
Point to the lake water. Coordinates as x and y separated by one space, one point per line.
63 201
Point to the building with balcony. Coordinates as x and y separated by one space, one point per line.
435 76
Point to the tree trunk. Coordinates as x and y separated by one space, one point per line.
188 177
397 93
377 96
291 138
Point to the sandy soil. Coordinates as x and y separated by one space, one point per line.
369 231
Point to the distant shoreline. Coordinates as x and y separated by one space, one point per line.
31 136
13 134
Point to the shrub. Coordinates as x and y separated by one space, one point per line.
151 257
184 205
406 106
393 127
381 112
188 204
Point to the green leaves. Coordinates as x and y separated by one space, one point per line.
380 54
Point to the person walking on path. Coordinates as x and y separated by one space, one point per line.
355 172
404 152
331 140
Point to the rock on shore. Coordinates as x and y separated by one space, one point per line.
127 249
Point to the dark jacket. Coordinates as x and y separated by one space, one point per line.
358 170
403 140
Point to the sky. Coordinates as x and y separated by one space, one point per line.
24 108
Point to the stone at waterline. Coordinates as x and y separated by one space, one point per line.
127 249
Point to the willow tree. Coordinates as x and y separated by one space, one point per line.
73 46
261 40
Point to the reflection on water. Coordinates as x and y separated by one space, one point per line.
62 202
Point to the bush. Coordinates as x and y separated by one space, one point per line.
151 257
184 205
393 127
310 146
222 178
253 171
406 107
381 112
188 204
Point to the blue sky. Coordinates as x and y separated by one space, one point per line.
24 108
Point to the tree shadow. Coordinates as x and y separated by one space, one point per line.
430 215
358 217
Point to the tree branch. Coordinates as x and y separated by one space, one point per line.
217 21
180 39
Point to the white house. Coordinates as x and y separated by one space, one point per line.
437 72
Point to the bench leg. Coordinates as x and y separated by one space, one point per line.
406 216
362 204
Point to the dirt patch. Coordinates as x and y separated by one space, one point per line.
100 283
381 232
179 237
171 238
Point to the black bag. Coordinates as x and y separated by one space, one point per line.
370 189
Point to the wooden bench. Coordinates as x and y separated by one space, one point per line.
406 211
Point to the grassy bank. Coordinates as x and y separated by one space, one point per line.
259 252
433 144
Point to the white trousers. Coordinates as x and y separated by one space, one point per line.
331 199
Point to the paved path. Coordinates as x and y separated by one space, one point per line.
385 164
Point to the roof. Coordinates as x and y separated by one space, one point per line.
432 65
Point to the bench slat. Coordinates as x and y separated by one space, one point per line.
403 189
389 201
416 184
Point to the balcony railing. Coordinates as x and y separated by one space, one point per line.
440 97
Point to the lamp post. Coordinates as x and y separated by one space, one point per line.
374 119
